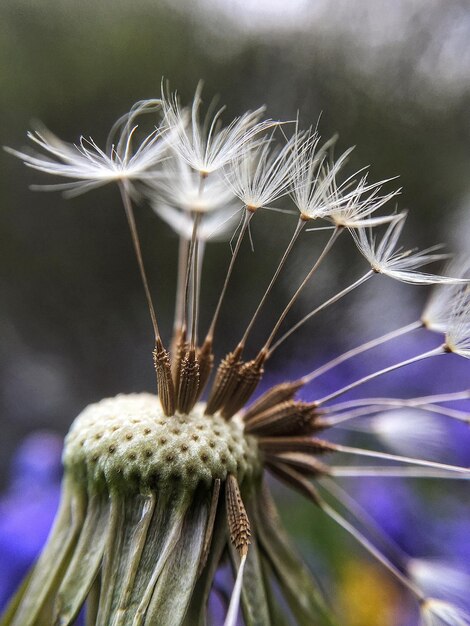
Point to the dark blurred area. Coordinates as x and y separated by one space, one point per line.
390 78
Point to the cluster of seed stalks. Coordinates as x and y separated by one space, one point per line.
158 491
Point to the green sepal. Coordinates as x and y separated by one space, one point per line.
197 610
144 529
299 587
85 563
277 614
176 582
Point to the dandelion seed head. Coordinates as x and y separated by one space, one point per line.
103 446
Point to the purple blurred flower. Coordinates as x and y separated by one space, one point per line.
28 507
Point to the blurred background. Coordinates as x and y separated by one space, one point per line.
389 76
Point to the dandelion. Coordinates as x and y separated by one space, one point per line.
160 490
312 192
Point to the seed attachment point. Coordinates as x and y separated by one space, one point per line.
166 390
225 381
188 382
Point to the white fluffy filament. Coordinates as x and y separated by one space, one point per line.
234 606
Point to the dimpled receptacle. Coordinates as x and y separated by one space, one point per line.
128 442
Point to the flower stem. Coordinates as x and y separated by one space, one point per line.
246 221
292 301
360 349
386 370
298 229
332 300
138 252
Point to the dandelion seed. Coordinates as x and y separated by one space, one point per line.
265 174
216 226
312 191
458 329
177 185
385 258
377 471
355 208
438 310
257 180
317 194
410 432
368 345
234 607
92 167
209 146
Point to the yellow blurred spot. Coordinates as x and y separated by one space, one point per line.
367 595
